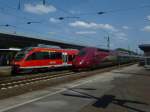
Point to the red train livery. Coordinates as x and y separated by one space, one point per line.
34 58
90 58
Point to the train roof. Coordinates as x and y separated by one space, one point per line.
41 48
69 51
91 48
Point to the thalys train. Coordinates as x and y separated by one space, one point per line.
36 58
89 58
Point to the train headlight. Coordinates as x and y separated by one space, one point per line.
81 62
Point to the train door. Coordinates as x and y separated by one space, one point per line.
65 58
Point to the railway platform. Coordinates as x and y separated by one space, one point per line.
5 71
122 90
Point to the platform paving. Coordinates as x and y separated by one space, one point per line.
5 71
122 90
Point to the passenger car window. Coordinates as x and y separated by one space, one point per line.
55 55
31 57
39 56
45 55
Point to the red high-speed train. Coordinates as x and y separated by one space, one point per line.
90 57
34 58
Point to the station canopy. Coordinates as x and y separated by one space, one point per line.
17 41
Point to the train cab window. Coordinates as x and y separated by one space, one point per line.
55 55
82 53
19 56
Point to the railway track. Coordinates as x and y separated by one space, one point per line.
24 84
30 75
12 82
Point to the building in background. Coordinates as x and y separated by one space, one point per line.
146 57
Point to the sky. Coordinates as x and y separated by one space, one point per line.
126 22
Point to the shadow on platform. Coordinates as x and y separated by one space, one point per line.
105 100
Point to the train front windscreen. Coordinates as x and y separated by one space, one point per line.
20 56
82 53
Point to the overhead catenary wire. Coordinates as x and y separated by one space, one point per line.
113 11
105 12
79 16
5 10
28 22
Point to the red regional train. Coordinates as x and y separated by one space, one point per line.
35 58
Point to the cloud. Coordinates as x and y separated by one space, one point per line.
125 27
148 17
54 20
39 8
51 33
121 36
85 32
74 12
118 34
146 28
92 25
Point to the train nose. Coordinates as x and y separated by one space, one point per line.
78 63
81 62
